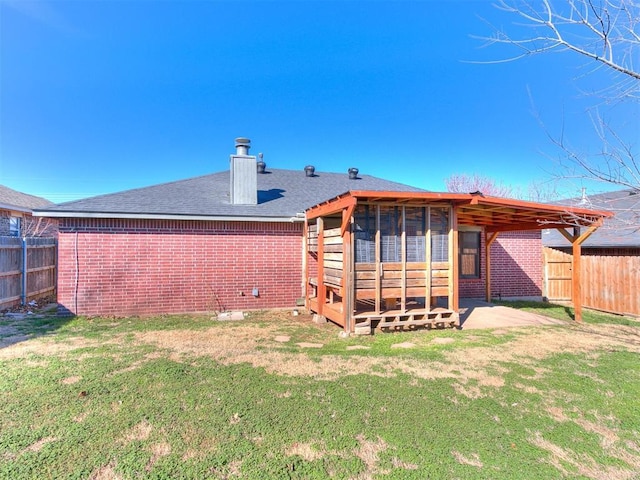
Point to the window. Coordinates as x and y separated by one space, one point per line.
365 233
439 234
469 254
14 226
390 234
415 226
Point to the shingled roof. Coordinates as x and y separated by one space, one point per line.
282 195
23 202
620 231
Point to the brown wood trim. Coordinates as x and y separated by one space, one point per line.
322 289
489 239
454 276
305 266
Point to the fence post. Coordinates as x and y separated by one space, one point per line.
24 271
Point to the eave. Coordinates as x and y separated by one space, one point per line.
165 216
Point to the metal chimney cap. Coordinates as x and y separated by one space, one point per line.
309 170
242 146
353 173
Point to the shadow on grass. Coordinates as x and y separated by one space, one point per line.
569 313
17 328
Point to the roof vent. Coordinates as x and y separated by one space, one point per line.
261 165
584 200
310 171
353 173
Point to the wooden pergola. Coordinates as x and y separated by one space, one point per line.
390 259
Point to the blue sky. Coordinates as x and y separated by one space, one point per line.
102 96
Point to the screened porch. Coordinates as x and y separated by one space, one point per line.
392 260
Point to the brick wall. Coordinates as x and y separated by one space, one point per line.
516 267
136 267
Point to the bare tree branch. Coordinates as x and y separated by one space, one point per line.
39 227
608 32
604 30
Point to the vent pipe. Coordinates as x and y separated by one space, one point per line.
242 146
261 165
353 173
309 170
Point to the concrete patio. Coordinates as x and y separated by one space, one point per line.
479 314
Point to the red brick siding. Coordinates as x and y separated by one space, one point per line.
516 267
125 267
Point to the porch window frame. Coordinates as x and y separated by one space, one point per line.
477 234
15 226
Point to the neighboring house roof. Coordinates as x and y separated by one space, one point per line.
621 230
282 195
22 202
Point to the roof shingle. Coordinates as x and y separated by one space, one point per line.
621 230
22 201
281 194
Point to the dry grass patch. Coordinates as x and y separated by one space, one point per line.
240 345
474 461
308 451
369 452
140 431
71 380
584 465
39 445
199 446
106 472
158 450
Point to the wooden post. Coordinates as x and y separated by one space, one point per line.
25 271
577 239
347 267
576 276
305 263
403 259
322 289
454 277
378 274
489 238
428 300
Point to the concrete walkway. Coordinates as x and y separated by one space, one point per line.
478 314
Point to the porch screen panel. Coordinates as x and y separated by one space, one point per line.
439 234
415 227
390 234
365 234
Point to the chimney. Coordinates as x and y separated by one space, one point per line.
243 175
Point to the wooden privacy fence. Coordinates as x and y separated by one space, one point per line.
610 283
27 269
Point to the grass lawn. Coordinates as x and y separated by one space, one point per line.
276 396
